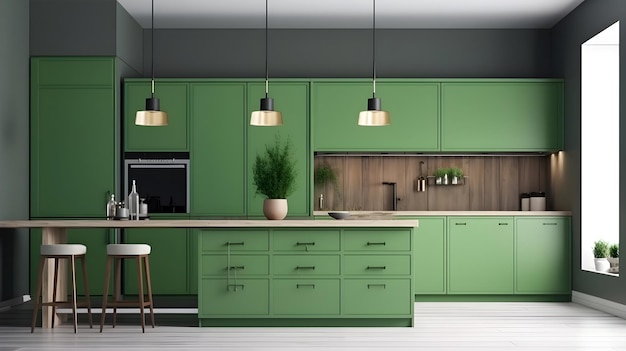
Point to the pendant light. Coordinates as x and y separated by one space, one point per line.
266 116
374 116
152 115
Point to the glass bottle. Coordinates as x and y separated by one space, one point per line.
133 202
111 207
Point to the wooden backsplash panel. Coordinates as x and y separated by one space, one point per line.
492 183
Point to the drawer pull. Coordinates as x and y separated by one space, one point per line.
460 223
369 243
229 243
306 244
369 286
305 267
502 223
298 286
376 267
236 267
234 287
549 223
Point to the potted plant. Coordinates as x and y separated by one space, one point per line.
274 175
600 254
441 175
324 174
614 257
455 175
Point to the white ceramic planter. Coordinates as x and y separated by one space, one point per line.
602 264
275 209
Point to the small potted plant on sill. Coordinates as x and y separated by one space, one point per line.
600 254
614 258
274 175
455 175
441 176
325 174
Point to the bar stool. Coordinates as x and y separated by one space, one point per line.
115 254
57 252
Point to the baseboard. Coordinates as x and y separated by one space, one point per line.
7 304
599 304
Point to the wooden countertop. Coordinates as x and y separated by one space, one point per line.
183 223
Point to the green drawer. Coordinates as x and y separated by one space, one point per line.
377 297
377 240
219 297
377 264
240 240
305 264
305 240
239 264
305 296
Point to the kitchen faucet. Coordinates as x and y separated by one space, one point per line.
395 194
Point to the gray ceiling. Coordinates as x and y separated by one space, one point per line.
351 13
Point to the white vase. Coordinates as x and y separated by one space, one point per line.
602 264
275 208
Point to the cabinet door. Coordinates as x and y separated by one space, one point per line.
290 98
305 296
542 259
237 297
501 116
430 256
218 155
168 260
480 255
173 98
414 110
72 138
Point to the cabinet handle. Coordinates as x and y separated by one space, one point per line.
236 267
305 267
312 286
549 223
375 243
234 286
305 244
460 223
369 286
503 223
229 243
376 267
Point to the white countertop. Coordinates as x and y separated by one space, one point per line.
449 213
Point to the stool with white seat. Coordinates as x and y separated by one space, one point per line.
57 252
115 254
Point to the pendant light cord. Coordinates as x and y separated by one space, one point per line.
266 66
152 49
374 47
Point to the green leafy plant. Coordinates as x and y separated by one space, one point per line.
324 174
274 172
600 249
456 172
440 172
614 251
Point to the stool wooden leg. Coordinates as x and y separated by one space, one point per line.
141 297
54 291
117 280
74 299
86 286
105 293
37 306
149 284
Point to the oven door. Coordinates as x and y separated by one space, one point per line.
162 184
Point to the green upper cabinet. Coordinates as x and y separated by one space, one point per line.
173 97
292 99
480 255
413 106
542 258
485 115
72 136
218 155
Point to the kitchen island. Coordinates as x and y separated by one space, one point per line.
307 272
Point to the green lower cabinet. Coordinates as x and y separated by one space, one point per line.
377 264
236 264
168 260
305 264
480 255
233 297
305 296
377 297
430 256
542 256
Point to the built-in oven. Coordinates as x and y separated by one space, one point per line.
161 179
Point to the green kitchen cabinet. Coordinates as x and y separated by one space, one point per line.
169 260
413 106
173 98
430 255
481 255
218 156
542 255
72 136
498 115
95 239
292 99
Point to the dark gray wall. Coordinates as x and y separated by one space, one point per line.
14 122
129 40
348 53
587 20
